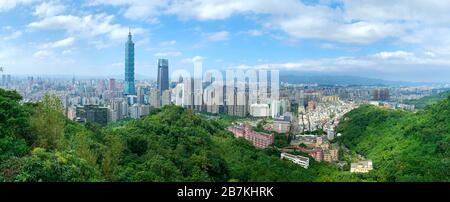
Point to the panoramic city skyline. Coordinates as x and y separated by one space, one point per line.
363 38
156 96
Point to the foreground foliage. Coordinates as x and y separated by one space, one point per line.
38 144
404 146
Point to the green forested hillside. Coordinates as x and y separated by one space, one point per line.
428 100
404 146
38 144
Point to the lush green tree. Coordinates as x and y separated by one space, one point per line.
48 123
13 115
404 146
43 166
13 125
82 145
175 144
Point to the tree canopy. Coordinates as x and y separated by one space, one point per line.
38 144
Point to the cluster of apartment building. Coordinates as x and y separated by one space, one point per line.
258 139
324 115
317 147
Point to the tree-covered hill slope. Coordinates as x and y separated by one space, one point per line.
37 143
428 100
404 146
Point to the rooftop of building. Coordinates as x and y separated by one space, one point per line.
282 119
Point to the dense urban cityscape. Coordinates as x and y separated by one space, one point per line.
209 99
307 114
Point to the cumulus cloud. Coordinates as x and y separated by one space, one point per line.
90 26
397 61
49 9
193 60
137 9
59 44
6 5
391 55
12 35
43 54
350 21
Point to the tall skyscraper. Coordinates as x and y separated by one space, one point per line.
163 75
3 80
165 98
129 88
155 98
380 94
112 84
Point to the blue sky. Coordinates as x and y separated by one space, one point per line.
402 40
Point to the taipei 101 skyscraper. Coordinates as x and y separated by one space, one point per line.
129 88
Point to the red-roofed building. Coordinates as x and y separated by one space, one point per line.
259 140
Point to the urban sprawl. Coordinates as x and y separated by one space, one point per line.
306 114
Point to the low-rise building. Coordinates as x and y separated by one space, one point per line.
300 160
258 139
361 167
260 110
282 124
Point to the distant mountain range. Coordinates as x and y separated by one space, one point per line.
293 77
328 79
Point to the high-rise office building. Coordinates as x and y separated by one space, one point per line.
380 94
163 75
8 79
129 88
275 108
92 114
155 98
141 91
179 95
165 98
112 84
3 80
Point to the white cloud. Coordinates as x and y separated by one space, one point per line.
67 52
222 9
168 43
168 54
398 61
193 60
47 9
217 36
10 4
13 35
59 44
43 54
431 54
137 9
89 26
393 55
356 22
